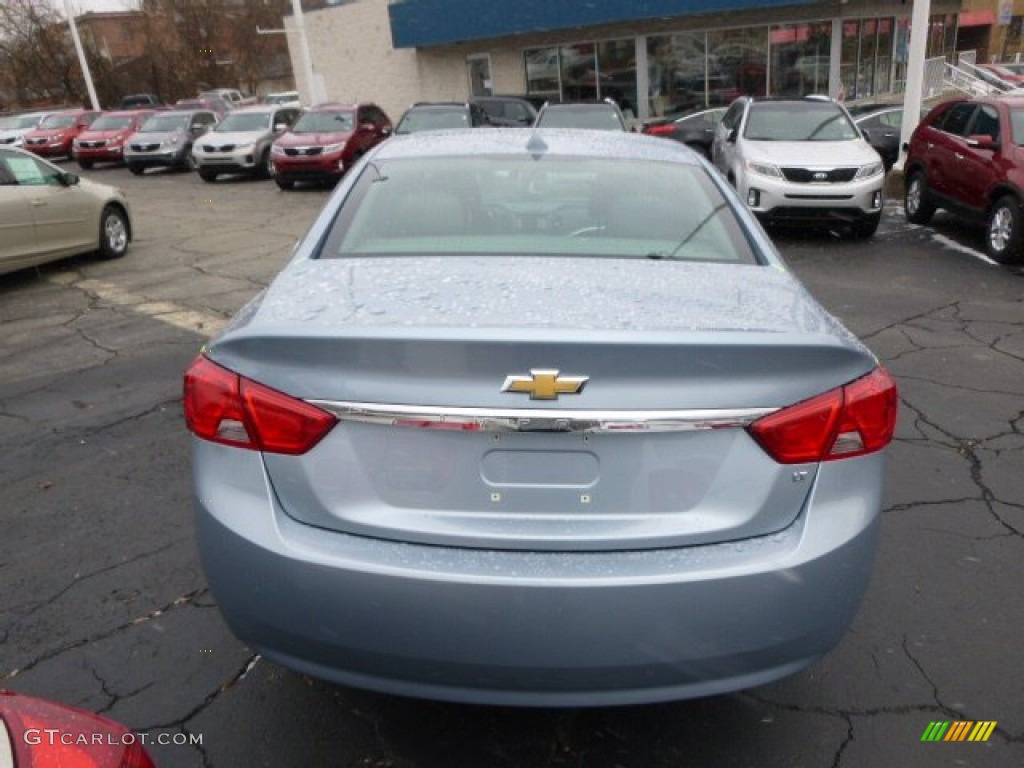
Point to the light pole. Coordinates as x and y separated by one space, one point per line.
81 56
915 74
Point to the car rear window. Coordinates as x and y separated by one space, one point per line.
537 206
416 120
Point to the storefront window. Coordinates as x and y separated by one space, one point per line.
542 72
616 67
883 60
800 58
848 60
579 72
676 72
737 64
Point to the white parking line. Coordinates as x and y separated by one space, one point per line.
942 240
199 321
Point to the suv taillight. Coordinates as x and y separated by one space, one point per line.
851 420
226 408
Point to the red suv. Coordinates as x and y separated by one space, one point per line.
55 134
326 141
966 157
103 141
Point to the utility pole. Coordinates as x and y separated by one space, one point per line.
81 56
312 94
915 74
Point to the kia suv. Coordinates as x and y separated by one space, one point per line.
800 161
104 140
241 142
55 135
966 156
166 140
326 141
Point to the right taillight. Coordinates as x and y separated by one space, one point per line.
851 420
223 407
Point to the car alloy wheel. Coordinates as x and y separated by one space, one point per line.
1003 238
916 205
113 233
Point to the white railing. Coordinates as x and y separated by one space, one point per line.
967 57
996 84
958 79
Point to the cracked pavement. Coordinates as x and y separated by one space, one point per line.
103 604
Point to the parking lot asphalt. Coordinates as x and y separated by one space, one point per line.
103 604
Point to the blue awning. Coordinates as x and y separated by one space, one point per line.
423 23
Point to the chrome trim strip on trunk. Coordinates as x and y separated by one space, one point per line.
541 420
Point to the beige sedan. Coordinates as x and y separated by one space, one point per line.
48 214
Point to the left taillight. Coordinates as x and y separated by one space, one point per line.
848 421
659 130
224 407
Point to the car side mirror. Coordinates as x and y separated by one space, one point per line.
866 134
197 127
386 131
731 135
67 178
280 127
981 141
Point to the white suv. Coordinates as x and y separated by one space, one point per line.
241 142
801 161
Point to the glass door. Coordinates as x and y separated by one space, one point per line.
479 70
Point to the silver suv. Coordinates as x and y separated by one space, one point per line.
241 141
801 161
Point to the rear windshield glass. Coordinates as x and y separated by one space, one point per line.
807 121
597 117
324 122
549 206
433 120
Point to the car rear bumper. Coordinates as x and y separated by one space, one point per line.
535 628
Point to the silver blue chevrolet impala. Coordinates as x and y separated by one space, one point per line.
538 418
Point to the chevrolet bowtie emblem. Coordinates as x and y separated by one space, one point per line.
544 384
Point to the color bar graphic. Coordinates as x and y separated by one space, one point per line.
959 730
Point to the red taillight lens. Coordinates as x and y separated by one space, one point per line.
45 734
223 407
848 421
659 130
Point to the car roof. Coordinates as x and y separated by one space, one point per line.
531 141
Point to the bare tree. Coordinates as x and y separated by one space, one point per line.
38 59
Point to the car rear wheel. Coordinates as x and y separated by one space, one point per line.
113 233
916 204
1003 234
137 170
208 175
85 165
867 226
284 184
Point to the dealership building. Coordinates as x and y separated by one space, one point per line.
652 56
